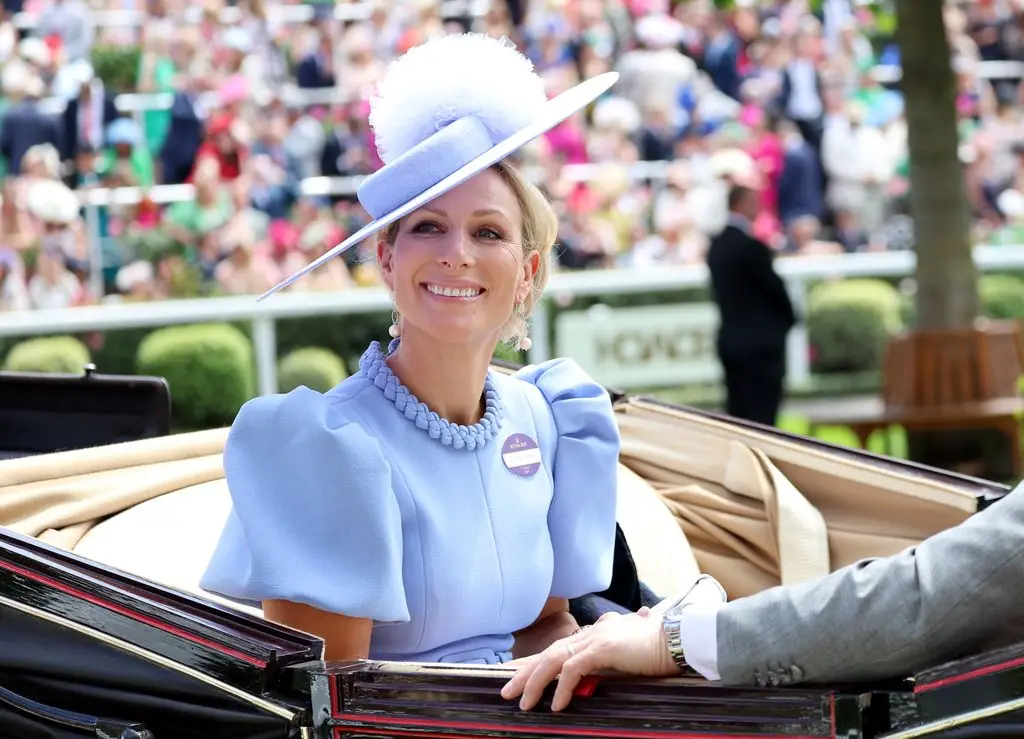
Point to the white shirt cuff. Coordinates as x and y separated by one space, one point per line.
698 632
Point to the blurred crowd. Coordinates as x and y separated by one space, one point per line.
246 108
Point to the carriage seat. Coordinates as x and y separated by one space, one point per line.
170 539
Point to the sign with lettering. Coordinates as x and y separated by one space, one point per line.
642 347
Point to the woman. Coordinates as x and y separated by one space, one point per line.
426 508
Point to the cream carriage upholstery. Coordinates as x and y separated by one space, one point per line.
695 495
167 539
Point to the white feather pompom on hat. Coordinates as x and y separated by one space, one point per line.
449 78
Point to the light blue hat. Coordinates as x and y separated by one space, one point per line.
123 131
444 112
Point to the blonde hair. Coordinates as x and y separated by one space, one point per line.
540 229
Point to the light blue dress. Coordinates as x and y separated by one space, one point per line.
361 501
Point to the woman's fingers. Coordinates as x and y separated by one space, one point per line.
544 671
531 681
514 687
585 662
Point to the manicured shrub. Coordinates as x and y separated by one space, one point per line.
1002 296
849 323
209 368
316 368
51 354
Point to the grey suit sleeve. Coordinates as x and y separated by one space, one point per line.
955 593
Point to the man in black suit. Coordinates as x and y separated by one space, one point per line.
86 118
756 314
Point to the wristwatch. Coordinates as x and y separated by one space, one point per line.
670 621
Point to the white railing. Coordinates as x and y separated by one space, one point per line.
889 74
290 94
294 96
344 186
797 273
279 13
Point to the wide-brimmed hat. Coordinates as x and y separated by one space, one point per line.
446 111
51 201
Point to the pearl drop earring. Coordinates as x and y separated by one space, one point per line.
525 343
394 331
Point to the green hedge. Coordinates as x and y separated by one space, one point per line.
52 354
849 323
209 368
1002 296
316 368
116 66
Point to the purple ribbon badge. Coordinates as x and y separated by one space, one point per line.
521 455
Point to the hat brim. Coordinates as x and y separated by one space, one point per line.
554 112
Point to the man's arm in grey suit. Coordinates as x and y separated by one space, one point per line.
957 592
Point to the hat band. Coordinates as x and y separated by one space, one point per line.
424 165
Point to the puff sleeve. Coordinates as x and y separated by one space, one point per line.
314 517
581 519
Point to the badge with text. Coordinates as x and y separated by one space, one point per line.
521 455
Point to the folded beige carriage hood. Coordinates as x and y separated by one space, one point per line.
760 510
58 497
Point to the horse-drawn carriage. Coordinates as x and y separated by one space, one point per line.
107 521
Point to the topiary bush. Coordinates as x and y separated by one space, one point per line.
346 336
52 354
209 368
316 368
1002 296
849 323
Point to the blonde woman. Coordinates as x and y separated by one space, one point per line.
427 508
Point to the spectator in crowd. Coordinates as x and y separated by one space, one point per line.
13 290
87 117
24 124
800 182
71 22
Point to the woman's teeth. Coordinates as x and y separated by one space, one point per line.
454 292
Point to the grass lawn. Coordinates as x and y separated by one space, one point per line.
841 435
710 396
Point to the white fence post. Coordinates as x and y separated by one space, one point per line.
798 345
264 344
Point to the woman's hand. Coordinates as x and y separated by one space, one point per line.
633 644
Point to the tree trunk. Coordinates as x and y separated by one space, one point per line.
947 289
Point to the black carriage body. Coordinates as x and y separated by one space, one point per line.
78 637
89 651
387 700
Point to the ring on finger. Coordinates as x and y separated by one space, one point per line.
570 649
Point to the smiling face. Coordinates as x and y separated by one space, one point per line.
457 267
